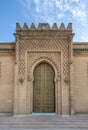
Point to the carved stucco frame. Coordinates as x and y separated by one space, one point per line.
58 81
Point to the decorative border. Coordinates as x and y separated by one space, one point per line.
34 57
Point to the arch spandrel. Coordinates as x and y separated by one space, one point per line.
34 59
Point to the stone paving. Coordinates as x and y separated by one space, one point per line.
39 129
77 122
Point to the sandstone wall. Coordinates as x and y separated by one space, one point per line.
6 83
80 83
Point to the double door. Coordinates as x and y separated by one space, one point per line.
44 89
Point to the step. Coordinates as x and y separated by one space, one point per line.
44 122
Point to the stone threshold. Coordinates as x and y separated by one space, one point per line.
43 114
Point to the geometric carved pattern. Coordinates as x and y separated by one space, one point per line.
33 57
43 44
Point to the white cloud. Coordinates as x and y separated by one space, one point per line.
60 15
59 4
36 1
74 11
77 12
54 10
26 3
84 36
74 1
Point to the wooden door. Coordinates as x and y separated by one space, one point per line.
44 89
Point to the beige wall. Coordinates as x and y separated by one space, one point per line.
6 83
18 99
80 83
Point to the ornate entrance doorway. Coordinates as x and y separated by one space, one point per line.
44 89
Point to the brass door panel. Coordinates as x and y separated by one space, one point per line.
44 89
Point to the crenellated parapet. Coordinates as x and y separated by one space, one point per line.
43 26
44 30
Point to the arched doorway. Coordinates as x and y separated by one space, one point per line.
44 89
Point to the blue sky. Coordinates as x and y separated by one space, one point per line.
51 11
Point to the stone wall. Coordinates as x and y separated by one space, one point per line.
80 82
69 61
43 44
7 61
